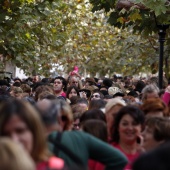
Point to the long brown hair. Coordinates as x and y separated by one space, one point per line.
29 115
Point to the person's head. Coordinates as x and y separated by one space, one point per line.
50 114
77 112
36 78
157 159
92 114
111 109
81 106
107 82
16 92
96 128
97 95
60 84
97 104
139 86
17 80
21 122
26 88
157 131
42 89
89 82
128 124
150 91
65 111
14 157
16 84
74 81
155 107
72 91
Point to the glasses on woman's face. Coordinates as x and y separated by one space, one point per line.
96 96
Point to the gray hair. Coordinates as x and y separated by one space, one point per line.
151 88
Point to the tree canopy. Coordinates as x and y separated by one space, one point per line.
38 34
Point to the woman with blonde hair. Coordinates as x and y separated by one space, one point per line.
14 157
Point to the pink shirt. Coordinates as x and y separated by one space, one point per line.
131 157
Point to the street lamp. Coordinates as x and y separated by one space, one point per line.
162 34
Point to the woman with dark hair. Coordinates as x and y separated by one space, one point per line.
98 129
21 122
92 114
127 129
97 104
72 91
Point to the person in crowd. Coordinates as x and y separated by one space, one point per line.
155 107
72 91
111 109
16 84
107 97
150 91
98 129
130 100
80 144
90 82
26 90
60 86
16 92
135 94
83 104
97 104
36 78
73 100
156 132
17 79
4 85
21 123
92 114
157 159
127 130
76 121
75 81
43 89
166 96
14 157
107 82
115 92
65 111
96 95
4 94
139 86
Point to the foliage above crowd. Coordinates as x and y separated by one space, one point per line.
38 34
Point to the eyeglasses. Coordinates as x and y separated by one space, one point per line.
96 96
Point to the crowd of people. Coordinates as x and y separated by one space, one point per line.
60 123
